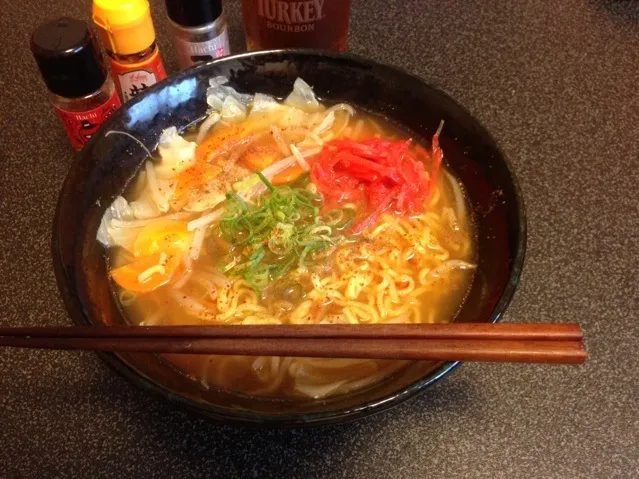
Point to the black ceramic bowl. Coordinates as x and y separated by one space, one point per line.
107 164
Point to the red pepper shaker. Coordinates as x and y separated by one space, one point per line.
73 69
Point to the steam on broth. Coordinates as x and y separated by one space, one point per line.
289 212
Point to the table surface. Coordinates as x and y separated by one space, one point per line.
556 83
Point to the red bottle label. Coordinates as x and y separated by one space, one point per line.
135 78
82 125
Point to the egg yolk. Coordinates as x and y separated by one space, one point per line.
159 250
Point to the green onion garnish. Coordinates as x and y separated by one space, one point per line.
278 232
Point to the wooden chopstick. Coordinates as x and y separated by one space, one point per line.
528 331
560 352
508 342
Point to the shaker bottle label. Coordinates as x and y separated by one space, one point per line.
281 15
296 24
133 79
190 53
81 126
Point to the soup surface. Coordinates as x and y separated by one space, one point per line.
289 212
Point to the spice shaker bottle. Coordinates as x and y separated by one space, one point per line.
127 33
73 69
199 30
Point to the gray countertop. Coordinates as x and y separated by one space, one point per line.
556 83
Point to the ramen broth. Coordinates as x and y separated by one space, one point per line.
344 256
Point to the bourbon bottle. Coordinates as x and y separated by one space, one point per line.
321 24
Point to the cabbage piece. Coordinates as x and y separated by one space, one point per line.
233 111
264 103
120 209
109 236
294 117
176 154
123 237
218 91
302 97
144 207
166 189
160 190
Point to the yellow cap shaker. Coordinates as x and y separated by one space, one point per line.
126 30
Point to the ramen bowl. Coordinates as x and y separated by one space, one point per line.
108 164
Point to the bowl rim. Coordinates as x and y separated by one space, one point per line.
78 315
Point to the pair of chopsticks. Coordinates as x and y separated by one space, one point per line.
507 342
